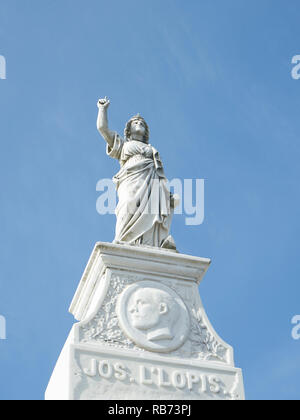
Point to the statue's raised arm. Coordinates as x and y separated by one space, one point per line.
102 121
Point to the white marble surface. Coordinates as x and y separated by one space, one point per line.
143 332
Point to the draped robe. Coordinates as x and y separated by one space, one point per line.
144 210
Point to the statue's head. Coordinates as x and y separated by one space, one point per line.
137 125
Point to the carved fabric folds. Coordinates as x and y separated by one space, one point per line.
144 210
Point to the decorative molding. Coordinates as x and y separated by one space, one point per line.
201 343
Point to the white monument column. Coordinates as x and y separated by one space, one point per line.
143 333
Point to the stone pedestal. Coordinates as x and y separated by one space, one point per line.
143 333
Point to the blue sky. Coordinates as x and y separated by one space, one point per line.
213 80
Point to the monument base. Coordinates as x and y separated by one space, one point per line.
143 333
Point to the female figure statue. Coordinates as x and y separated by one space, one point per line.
145 206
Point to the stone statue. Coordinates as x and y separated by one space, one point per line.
143 333
145 206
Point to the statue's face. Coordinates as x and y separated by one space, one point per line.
137 127
145 312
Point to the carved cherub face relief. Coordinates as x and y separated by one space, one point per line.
148 308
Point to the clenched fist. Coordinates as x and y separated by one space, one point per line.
103 103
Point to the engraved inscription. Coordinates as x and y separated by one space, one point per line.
181 379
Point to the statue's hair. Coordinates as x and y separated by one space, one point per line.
128 127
